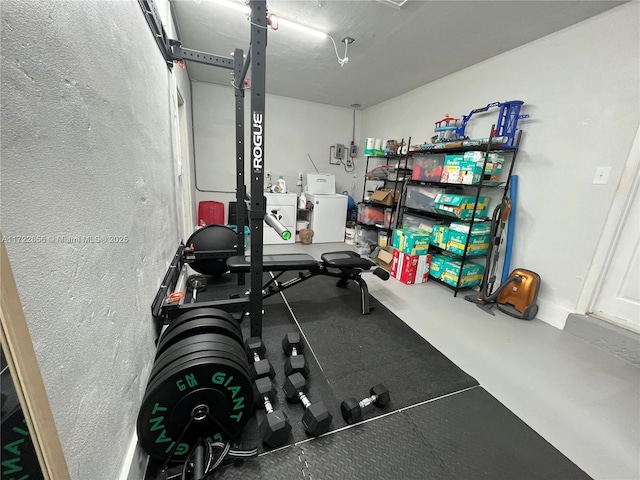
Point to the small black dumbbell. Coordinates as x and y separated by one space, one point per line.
316 418
352 409
296 363
197 283
261 367
275 427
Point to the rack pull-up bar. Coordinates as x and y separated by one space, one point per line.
178 52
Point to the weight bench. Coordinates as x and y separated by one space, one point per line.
344 265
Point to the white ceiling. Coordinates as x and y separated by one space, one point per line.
394 52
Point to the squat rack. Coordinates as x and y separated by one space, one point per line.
173 51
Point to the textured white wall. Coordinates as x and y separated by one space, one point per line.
86 151
581 88
293 129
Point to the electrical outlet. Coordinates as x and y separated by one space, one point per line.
267 173
602 175
349 162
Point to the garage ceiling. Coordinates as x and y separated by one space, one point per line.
395 49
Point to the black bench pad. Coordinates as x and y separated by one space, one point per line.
274 263
346 259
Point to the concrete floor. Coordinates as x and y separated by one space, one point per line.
582 400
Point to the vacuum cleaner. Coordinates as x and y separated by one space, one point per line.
518 294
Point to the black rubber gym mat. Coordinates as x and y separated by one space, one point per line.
468 435
277 322
219 288
358 351
465 434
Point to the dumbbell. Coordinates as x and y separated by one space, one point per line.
275 427
316 418
352 409
197 283
296 363
261 367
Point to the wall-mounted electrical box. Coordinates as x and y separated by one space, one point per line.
338 151
353 150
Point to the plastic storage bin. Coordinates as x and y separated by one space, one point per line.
366 236
210 212
428 168
370 215
422 198
418 224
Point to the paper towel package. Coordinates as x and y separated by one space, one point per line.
321 184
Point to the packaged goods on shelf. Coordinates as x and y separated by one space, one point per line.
438 261
370 214
460 206
478 243
467 169
383 239
494 163
440 236
410 242
418 224
428 168
422 198
410 269
471 273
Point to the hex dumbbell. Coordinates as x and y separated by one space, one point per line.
352 409
316 418
296 363
275 427
261 367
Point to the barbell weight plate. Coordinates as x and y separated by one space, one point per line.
206 337
201 313
215 383
196 327
19 458
197 344
160 376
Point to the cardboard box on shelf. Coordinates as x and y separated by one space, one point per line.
410 269
411 242
385 196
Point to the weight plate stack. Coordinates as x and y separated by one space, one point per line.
19 458
199 386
